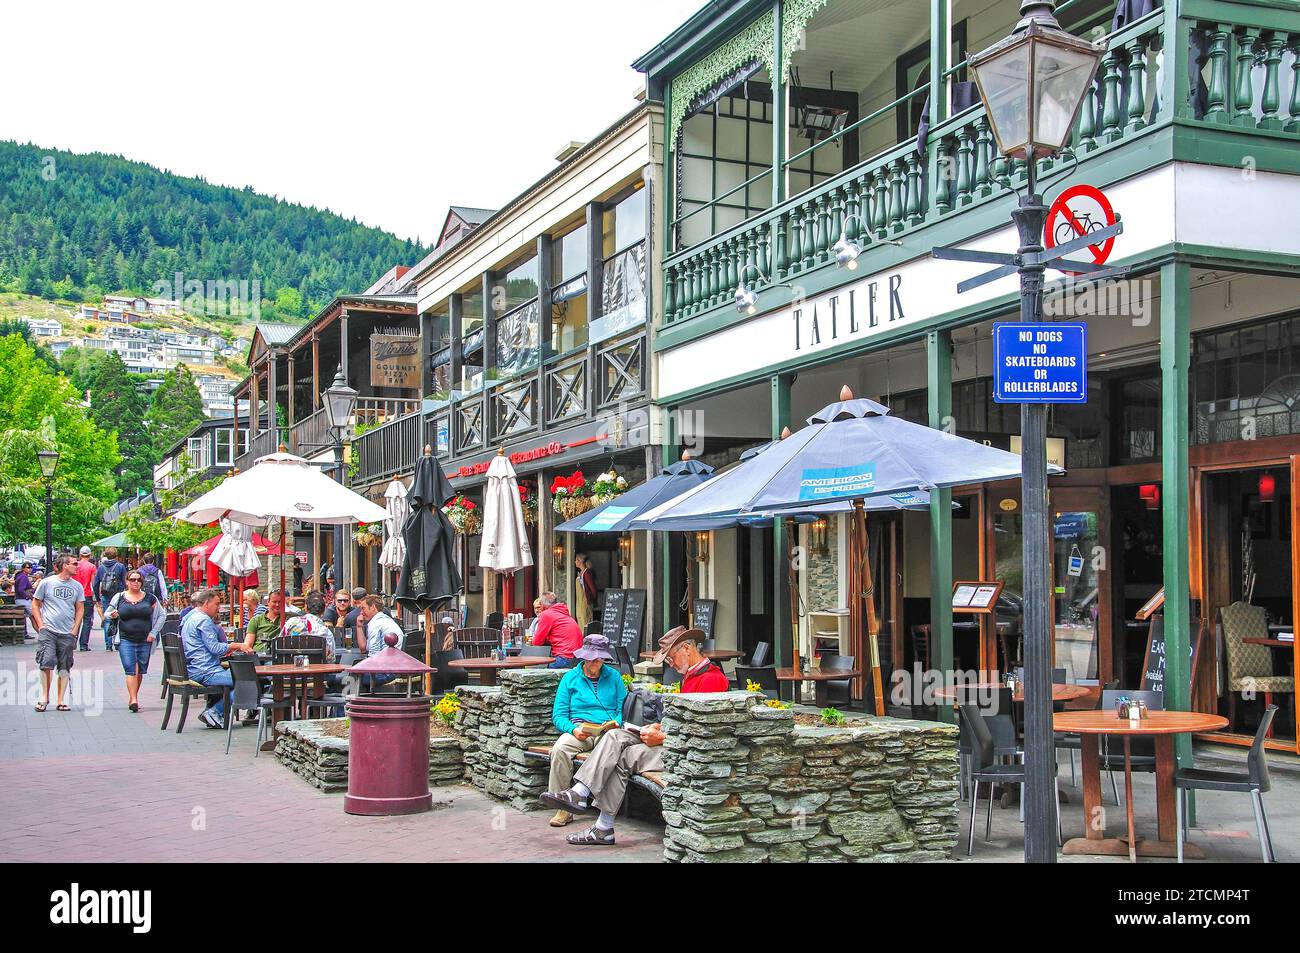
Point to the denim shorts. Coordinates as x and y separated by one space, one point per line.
133 654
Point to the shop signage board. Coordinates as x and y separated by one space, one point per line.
703 612
1037 363
633 621
612 604
394 361
1153 662
979 596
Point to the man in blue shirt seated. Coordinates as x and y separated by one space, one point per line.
205 645
590 694
375 624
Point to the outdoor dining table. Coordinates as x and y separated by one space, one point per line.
713 655
285 683
1164 725
488 667
1060 692
819 677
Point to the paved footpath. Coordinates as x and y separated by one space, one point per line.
102 784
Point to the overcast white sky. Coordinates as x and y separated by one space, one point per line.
380 110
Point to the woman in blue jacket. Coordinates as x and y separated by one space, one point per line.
590 693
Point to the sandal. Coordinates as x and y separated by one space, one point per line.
592 836
41 706
62 708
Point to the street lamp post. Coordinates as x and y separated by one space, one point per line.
49 461
340 405
1032 84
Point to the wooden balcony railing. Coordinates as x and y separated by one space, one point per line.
1142 84
268 441
390 449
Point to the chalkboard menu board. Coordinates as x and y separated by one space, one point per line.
633 621
703 612
612 602
1153 663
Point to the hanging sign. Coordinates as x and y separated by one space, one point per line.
394 361
1037 363
1077 211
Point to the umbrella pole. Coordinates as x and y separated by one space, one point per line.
869 605
793 582
284 613
428 645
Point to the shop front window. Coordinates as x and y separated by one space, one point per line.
1075 541
1246 382
514 298
569 291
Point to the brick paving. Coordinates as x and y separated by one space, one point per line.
101 784
110 786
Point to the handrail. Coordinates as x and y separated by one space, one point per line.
714 201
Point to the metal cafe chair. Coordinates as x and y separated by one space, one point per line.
986 768
1254 781
247 695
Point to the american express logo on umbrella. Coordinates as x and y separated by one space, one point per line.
837 481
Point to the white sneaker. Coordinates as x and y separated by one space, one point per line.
210 718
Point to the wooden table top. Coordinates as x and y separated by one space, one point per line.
314 669
713 655
1275 643
514 661
1102 722
816 675
1060 693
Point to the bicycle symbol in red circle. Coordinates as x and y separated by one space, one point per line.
1077 211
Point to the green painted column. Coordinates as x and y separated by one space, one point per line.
782 636
669 454
1175 358
938 390
779 121
936 166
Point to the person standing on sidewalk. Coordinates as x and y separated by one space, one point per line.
85 573
23 590
110 579
140 616
57 606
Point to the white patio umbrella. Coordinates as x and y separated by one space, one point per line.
505 537
282 486
236 556
394 551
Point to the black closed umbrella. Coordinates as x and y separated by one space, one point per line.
429 578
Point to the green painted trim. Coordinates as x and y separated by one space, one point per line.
779 103
668 454
1208 143
938 368
1268 14
753 43
1175 358
783 634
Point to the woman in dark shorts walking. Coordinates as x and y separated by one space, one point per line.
140 617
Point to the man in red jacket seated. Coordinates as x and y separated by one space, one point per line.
558 629
600 784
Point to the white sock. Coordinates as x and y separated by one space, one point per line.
606 821
582 790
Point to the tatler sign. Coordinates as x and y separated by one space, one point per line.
855 311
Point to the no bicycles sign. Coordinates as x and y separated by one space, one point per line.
1077 211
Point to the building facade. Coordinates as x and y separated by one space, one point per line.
792 126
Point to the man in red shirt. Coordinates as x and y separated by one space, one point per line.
85 574
601 782
556 628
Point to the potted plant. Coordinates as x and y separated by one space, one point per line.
607 486
571 495
367 534
528 500
463 515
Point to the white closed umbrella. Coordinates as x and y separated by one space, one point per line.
505 537
394 551
235 553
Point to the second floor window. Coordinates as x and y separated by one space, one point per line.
514 303
569 255
623 272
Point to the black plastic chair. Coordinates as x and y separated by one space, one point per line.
1142 748
670 675
987 768
1254 781
178 682
762 651
623 660
593 628
996 707
247 695
1072 742
708 645
495 620
838 690
446 678
285 647
536 651
764 675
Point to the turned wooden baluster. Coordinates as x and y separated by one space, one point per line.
838 201
983 146
879 211
1271 100
943 176
763 249
852 224
670 294
915 214
795 263
779 260
1087 139
1245 96
963 165
1216 93
1110 113
1137 84
823 242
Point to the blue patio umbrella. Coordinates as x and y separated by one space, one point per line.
616 515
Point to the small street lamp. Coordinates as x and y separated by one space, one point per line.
340 405
1032 84
49 461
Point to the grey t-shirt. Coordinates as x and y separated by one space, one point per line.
59 600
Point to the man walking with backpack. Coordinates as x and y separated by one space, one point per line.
110 579
155 581
85 574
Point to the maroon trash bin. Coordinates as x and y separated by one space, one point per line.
388 741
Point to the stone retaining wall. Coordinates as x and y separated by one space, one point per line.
498 724
745 784
322 759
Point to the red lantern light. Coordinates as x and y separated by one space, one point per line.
1267 488
1150 494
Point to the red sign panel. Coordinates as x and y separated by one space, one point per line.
1077 211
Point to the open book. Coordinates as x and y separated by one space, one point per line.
595 731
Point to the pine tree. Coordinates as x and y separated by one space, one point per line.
116 404
176 408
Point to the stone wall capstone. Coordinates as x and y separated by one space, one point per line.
311 750
745 784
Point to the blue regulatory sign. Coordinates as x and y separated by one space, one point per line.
1040 363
